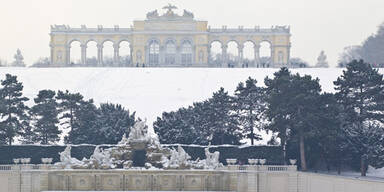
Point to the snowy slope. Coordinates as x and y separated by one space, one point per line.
150 91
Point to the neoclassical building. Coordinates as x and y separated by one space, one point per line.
171 40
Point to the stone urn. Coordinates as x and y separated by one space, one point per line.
25 160
292 161
262 161
253 161
46 160
16 161
231 161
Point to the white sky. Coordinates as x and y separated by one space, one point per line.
327 25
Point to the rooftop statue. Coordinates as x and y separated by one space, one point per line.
169 7
188 14
152 14
169 14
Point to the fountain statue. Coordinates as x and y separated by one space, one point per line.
122 155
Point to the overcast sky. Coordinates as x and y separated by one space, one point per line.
327 25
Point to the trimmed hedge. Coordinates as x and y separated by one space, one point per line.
273 154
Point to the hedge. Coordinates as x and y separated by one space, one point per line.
273 154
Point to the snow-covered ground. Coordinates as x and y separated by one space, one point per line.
372 174
150 91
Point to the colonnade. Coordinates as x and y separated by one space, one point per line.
240 55
100 54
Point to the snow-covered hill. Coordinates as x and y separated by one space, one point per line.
150 91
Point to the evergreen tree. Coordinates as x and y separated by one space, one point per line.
112 122
45 113
221 121
360 90
69 105
366 141
249 100
84 128
181 126
293 107
330 138
213 120
13 110
277 99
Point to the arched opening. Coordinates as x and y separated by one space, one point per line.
170 53
108 53
249 54
232 54
91 59
154 51
215 56
75 53
125 57
186 53
265 54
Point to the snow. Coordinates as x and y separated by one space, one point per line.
375 172
150 91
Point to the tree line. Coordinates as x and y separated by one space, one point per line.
40 123
338 128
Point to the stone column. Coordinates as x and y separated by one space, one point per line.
100 55
161 56
288 55
209 61
83 54
224 55
116 57
131 64
240 55
178 55
256 49
52 53
272 63
68 55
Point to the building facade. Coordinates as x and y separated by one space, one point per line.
171 40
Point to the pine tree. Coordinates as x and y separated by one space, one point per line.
249 101
366 140
360 90
221 119
45 113
13 110
213 120
112 122
277 105
292 107
69 105
84 127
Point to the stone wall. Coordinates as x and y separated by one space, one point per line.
39 178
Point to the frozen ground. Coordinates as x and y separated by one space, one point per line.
150 91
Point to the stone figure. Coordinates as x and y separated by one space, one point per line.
19 59
212 159
178 159
322 61
169 8
188 14
66 161
152 14
139 131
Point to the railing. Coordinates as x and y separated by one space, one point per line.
5 167
36 167
277 168
268 168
